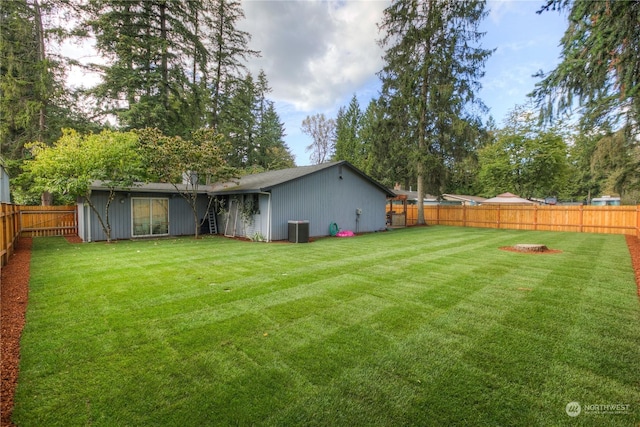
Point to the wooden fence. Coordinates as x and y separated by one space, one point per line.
583 219
34 221
37 221
9 231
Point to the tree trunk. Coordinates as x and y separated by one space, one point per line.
43 71
165 47
46 199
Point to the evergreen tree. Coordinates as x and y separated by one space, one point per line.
272 152
169 61
25 78
228 49
237 120
600 67
147 45
430 77
349 145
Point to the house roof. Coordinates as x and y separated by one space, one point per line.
508 198
265 181
463 197
152 187
413 195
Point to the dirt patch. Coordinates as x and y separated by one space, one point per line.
14 293
73 238
633 243
541 251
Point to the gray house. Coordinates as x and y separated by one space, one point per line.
145 210
328 195
257 206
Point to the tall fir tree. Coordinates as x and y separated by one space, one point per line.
25 77
228 49
169 61
600 64
431 75
349 145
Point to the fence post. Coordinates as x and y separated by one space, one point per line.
580 209
464 214
638 221
3 238
498 216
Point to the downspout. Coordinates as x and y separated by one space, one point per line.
268 214
87 215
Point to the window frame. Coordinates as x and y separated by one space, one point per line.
151 224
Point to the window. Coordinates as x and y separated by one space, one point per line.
150 216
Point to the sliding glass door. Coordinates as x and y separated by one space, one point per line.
150 216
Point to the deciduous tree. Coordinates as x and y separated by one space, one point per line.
187 163
525 158
321 130
75 161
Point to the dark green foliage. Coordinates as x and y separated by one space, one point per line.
430 78
349 144
252 125
25 79
600 68
525 159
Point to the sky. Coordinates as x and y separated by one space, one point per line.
318 54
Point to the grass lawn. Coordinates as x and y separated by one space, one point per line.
422 326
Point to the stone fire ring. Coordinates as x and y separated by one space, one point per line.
528 247
531 248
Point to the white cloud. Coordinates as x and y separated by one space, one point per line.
314 53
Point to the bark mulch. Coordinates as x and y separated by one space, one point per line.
15 286
13 295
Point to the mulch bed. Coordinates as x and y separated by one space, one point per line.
634 249
14 293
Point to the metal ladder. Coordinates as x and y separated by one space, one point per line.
213 224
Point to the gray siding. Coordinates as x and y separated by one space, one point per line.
5 195
259 225
180 215
328 196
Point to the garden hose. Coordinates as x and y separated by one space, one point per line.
333 229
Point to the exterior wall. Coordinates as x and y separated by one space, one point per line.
258 226
5 196
180 215
327 196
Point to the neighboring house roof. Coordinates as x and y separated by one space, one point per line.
413 195
152 187
265 181
464 198
508 198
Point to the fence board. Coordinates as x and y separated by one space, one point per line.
586 219
9 231
39 221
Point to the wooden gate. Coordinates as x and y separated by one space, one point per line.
36 221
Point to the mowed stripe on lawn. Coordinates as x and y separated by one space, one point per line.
430 325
